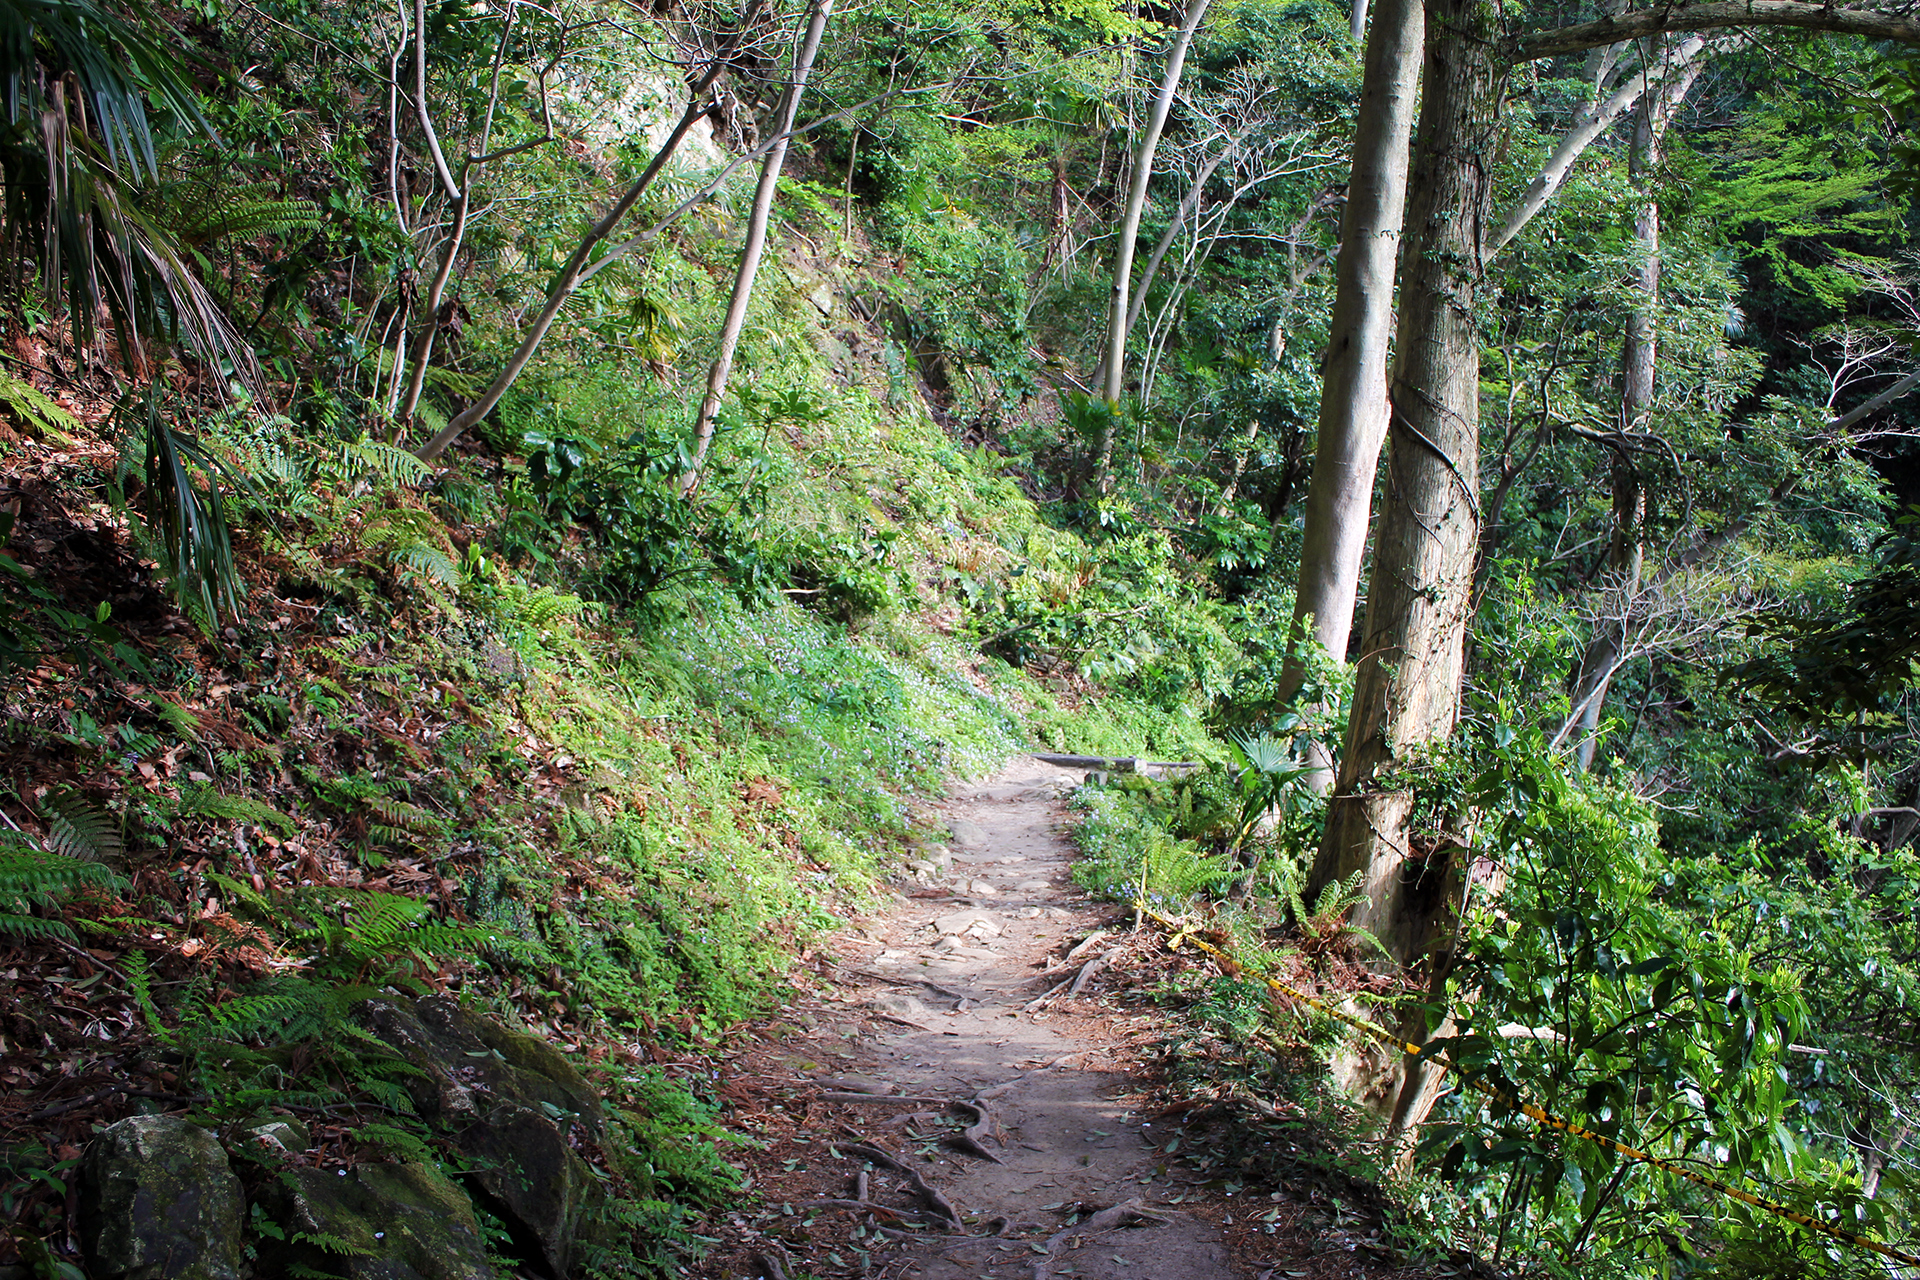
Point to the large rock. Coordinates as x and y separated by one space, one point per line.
379 1222
512 1106
470 1061
158 1202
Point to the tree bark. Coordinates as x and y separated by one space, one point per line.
1115 361
750 252
1407 681
1353 399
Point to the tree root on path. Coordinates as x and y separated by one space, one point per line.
932 1198
969 1139
1119 1215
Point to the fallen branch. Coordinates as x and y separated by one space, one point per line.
858 1098
1092 967
1076 984
1067 961
862 1205
1119 1215
1033 1005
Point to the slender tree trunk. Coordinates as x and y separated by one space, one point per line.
578 266
1676 65
1626 549
1353 401
1187 207
750 252
1115 361
1407 682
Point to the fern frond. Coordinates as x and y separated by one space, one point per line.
356 458
34 927
198 212
88 835
203 801
34 408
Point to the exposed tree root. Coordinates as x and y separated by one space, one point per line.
933 1199
1119 1215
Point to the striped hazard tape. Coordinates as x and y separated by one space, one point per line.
1539 1115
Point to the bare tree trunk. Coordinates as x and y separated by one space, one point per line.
1187 207
1676 64
750 252
1115 361
577 266
1353 401
1407 682
1626 549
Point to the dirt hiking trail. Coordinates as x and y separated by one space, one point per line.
954 1107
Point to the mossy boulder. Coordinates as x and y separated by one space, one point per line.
470 1060
377 1222
159 1202
513 1106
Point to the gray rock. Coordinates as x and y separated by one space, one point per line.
158 1202
948 943
967 922
968 835
509 1103
822 299
921 866
1031 913
981 888
1032 886
899 1006
396 1221
281 1134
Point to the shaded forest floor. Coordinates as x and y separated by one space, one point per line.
945 1035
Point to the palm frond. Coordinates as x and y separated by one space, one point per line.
196 551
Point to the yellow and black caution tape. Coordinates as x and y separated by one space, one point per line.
1539 1115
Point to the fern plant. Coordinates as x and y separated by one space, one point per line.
384 939
30 405
37 874
413 541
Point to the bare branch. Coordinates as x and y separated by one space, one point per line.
1638 24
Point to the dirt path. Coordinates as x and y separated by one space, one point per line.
934 1004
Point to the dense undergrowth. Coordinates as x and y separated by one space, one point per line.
1717 1009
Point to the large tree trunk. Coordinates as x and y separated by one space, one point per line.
750 252
1407 681
1114 365
1353 399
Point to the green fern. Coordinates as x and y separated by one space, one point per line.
413 540
407 826
35 874
383 940
198 211
203 801
34 408
331 1244
357 459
